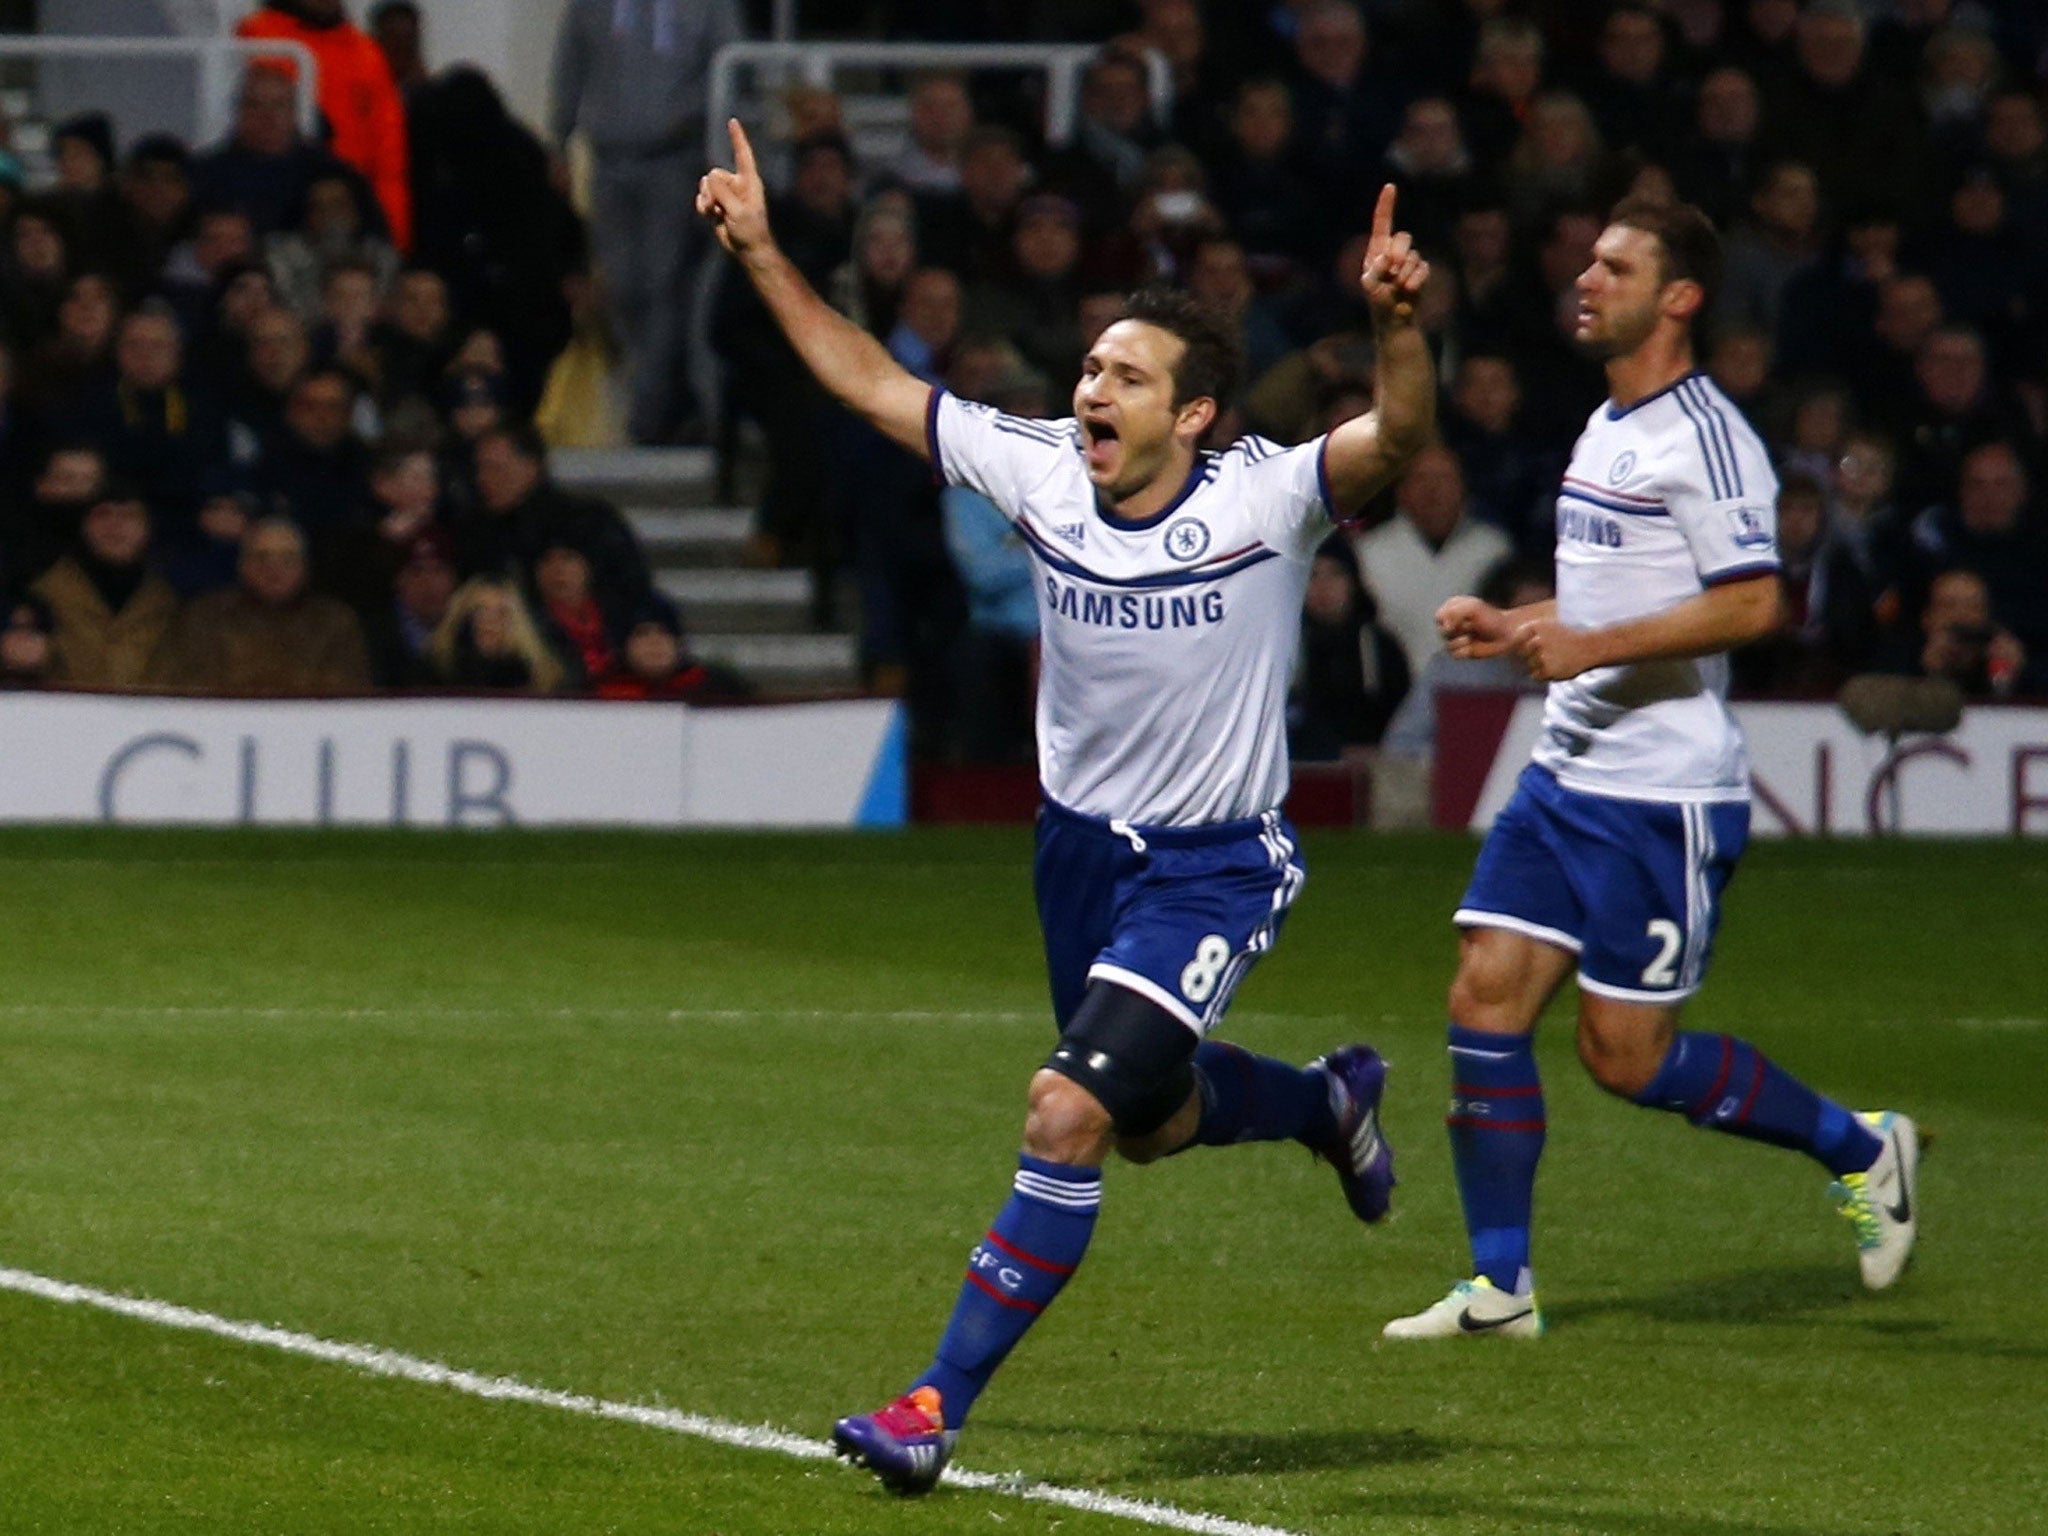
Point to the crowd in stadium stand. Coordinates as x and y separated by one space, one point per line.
1880 171
266 404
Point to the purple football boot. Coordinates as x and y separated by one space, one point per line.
1360 1154
906 1444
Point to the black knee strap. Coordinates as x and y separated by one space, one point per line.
1131 1054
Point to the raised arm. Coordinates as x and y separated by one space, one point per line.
854 368
1367 453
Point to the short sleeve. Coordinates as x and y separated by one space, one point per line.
1287 493
1001 456
1722 492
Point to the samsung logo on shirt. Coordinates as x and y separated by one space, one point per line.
1131 610
1582 526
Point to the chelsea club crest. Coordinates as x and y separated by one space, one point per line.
1187 540
1622 468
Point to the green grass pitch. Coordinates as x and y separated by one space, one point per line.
711 1122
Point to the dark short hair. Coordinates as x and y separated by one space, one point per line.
160 149
1960 331
1489 350
120 489
1214 237
157 308
71 445
359 265
47 211
1115 57
349 380
1210 359
394 452
1779 167
1948 571
992 136
826 141
1687 240
1633 8
522 437
218 208
2004 445
1802 482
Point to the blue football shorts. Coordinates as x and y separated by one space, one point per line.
1176 914
1632 887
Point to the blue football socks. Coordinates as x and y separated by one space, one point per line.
1724 1084
1012 1276
1255 1098
1497 1125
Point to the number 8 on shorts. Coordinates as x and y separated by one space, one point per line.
1199 977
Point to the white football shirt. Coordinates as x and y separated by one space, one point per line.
1661 501
1167 643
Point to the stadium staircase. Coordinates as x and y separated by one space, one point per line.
758 622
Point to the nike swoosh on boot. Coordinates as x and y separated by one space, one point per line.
1473 1324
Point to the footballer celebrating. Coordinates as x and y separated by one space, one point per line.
1612 854
1170 587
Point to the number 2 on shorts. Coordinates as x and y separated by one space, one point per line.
1663 971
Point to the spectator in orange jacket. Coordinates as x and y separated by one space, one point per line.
357 95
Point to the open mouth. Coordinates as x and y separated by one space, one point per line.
1100 444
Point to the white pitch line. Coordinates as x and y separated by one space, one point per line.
373 1361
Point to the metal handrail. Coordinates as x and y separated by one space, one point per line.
816 63
219 60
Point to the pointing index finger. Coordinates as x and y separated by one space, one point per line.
1383 216
742 151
